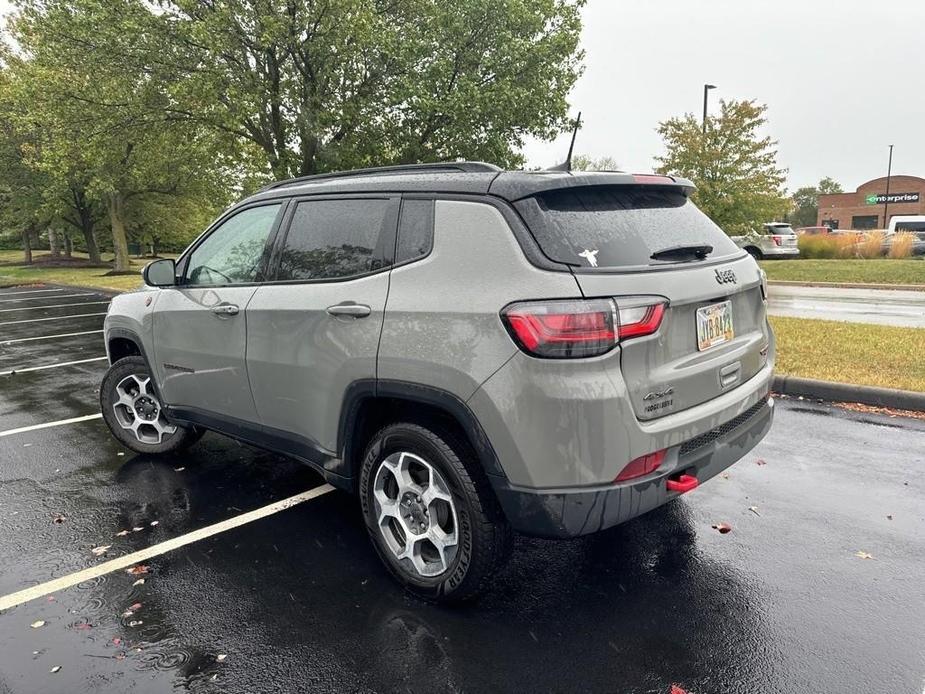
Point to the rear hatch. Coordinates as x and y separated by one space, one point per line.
608 234
782 235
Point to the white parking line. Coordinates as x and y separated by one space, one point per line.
37 320
39 308
32 291
42 298
124 562
48 337
50 366
47 425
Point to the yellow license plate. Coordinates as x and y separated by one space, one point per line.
714 325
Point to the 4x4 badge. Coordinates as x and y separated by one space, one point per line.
725 276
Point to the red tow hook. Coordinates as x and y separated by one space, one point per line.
684 483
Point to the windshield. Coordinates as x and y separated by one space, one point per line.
619 226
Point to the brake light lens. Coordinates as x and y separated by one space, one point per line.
778 240
643 465
563 329
580 328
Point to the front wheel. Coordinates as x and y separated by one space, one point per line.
132 410
433 519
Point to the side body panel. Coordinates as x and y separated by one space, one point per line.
301 359
198 354
442 326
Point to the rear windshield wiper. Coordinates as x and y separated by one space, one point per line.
680 252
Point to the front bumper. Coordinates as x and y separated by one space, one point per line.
561 513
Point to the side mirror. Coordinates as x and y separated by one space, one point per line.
160 273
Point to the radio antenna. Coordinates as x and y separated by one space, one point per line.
567 164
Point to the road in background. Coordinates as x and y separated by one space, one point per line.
879 306
298 601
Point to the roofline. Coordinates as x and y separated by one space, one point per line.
431 167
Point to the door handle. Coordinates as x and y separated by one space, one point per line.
353 310
225 309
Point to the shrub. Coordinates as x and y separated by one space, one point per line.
846 245
818 246
871 246
901 246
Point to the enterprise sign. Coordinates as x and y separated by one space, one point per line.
881 198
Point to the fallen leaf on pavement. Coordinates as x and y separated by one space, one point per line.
889 517
116 641
722 527
153 523
120 453
137 570
36 625
58 518
220 657
136 606
137 530
56 668
754 509
179 469
139 582
100 551
83 626
675 689
135 623
863 555
122 533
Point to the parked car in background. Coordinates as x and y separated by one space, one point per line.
775 240
815 231
910 222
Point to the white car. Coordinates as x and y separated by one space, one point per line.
775 240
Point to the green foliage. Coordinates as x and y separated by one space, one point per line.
584 162
739 183
806 202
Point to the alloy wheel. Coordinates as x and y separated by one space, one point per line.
138 410
416 514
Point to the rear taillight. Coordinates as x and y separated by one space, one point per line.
778 240
642 465
580 328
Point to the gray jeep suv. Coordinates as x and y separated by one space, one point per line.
471 351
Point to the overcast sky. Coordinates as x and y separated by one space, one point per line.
843 79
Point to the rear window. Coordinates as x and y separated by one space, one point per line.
780 229
618 226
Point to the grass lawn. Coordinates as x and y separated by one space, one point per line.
871 355
881 271
79 276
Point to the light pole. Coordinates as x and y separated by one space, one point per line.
886 198
706 92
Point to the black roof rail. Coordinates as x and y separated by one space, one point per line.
434 167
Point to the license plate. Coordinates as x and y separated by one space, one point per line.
714 325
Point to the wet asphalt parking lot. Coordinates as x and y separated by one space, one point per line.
297 601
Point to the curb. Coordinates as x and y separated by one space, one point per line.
846 392
850 285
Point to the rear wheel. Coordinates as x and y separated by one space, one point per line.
430 512
132 410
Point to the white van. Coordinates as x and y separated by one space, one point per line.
910 222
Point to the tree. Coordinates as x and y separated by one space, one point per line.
806 201
106 129
739 183
315 86
584 162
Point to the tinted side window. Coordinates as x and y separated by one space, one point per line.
335 238
231 254
415 230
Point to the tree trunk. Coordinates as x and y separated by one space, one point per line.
116 203
27 246
54 243
68 246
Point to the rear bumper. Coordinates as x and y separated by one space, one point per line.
781 252
570 512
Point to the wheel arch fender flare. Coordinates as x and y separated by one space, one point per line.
361 391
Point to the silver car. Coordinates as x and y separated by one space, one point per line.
470 351
775 240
